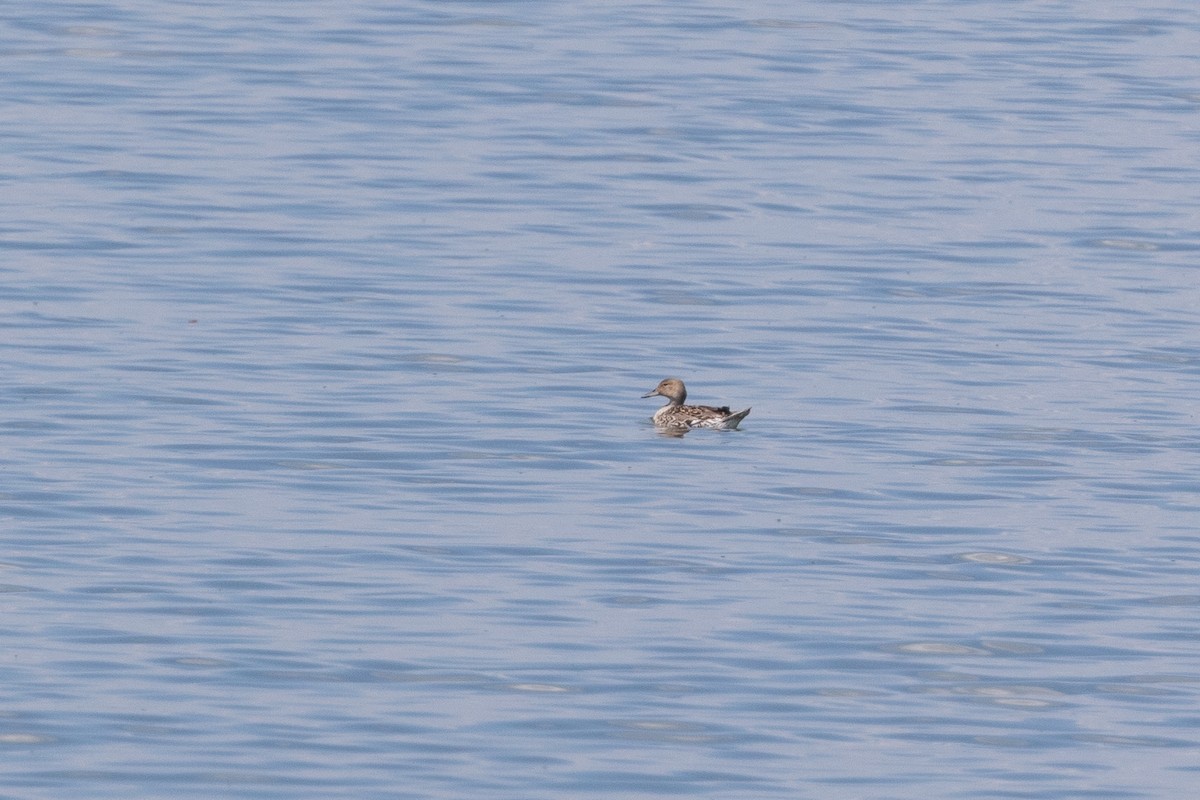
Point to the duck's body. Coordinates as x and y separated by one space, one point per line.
676 415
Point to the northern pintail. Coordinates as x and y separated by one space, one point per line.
676 415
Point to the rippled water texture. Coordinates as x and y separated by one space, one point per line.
326 471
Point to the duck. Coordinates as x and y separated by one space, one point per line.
675 415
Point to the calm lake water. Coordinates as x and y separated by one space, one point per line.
325 468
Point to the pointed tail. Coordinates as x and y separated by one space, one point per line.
732 420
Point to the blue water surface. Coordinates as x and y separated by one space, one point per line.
325 468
